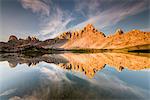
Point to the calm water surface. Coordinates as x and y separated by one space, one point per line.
100 76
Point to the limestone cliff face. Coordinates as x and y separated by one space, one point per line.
86 38
124 40
89 37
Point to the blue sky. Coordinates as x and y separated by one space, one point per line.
48 18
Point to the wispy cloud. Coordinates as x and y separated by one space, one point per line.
146 29
88 8
8 92
53 81
111 16
37 6
101 13
56 23
54 20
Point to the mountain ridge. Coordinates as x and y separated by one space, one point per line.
87 38
92 38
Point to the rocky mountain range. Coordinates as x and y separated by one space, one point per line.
87 38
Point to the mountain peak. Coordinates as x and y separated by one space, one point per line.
89 27
64 35
135 30
13 38
119 31
32 38
88 35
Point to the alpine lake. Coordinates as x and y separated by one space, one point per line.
75 76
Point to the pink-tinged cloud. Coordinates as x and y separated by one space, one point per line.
37 6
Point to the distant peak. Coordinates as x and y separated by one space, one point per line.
28 38
32 38
135 30
119 31
89 27
13 38
64 35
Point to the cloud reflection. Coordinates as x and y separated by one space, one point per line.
55 83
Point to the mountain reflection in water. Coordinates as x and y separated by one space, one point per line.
86 63
48 79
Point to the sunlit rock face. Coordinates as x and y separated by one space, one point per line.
119 32
134 38
86 38
90 37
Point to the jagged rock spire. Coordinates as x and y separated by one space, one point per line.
89 27
119 31
29 38
13 38
92 29
65 35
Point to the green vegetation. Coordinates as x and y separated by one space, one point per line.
38 51
35 50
